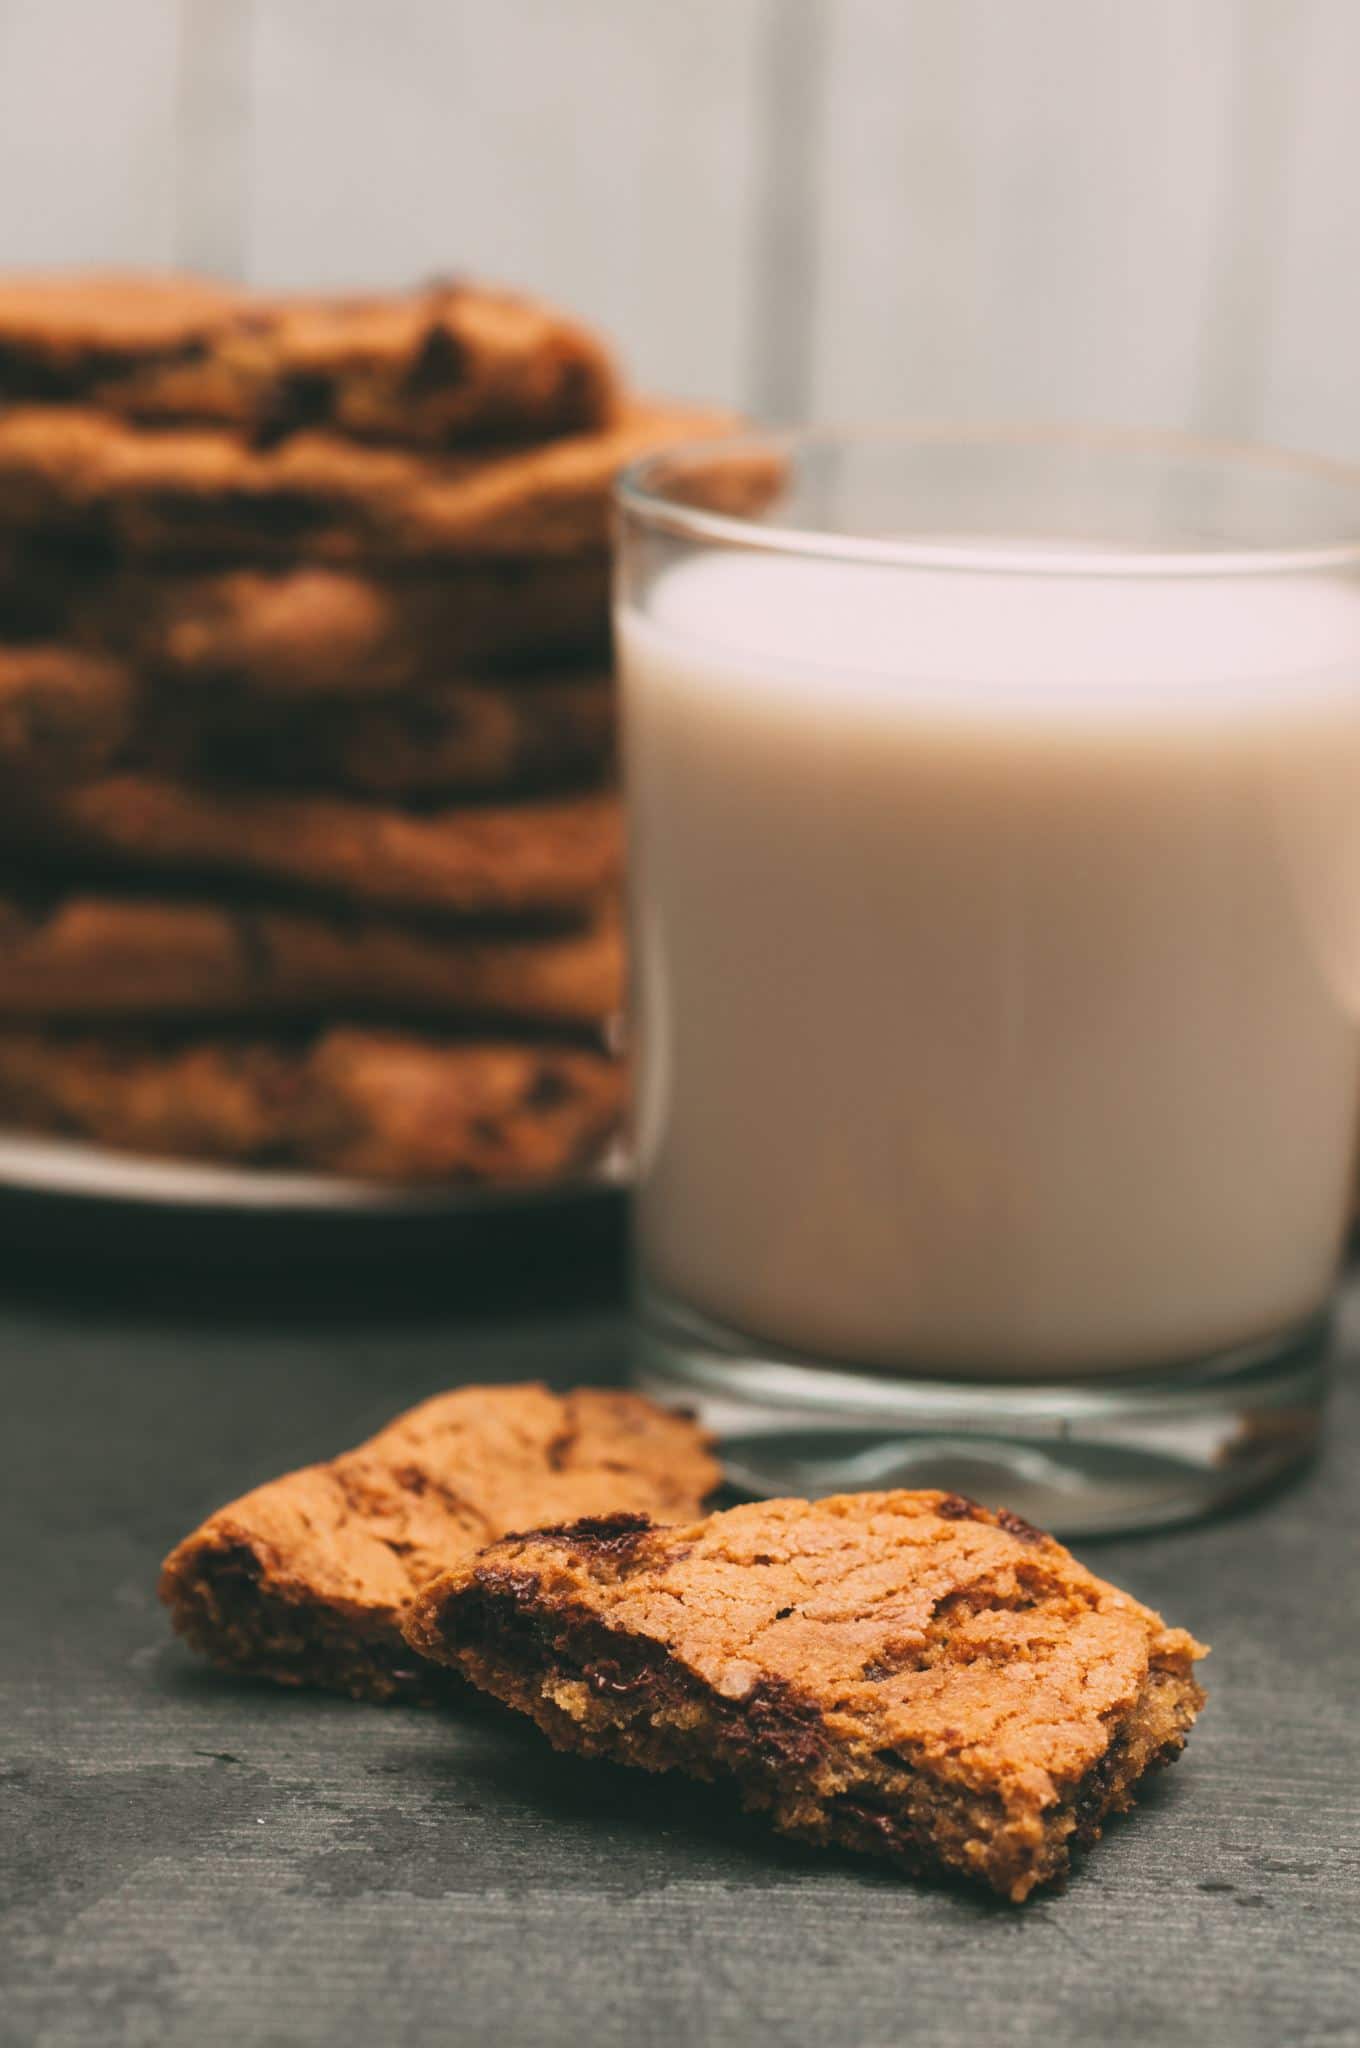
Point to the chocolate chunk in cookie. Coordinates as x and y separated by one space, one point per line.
305 1580
873 1670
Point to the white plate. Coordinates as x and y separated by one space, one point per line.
63 1166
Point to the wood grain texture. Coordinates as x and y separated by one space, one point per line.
184 1858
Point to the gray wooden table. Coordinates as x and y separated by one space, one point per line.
187 1859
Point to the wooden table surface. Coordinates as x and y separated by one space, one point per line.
188 1859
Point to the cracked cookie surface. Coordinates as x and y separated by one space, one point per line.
902 1673
305 1579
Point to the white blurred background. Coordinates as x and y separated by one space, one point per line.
1142 210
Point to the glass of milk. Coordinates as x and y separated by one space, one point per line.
994 806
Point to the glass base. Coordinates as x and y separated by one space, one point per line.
1079 1457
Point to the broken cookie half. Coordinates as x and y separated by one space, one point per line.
305 1580
903 1673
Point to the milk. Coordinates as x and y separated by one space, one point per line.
997 956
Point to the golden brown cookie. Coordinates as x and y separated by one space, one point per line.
186 495
378 1105
554 856
63 714
903 1673
80 958
438 740
310 632
333 632
304 1581
66 716
444 364
61 332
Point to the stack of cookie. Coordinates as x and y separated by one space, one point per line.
308 850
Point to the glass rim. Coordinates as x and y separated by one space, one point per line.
637 496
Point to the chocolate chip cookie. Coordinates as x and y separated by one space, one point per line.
302 632
77 957
206 496
305 1580
372 1104
448 363
553 856
436 741
902 1673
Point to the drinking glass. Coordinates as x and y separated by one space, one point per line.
994 816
